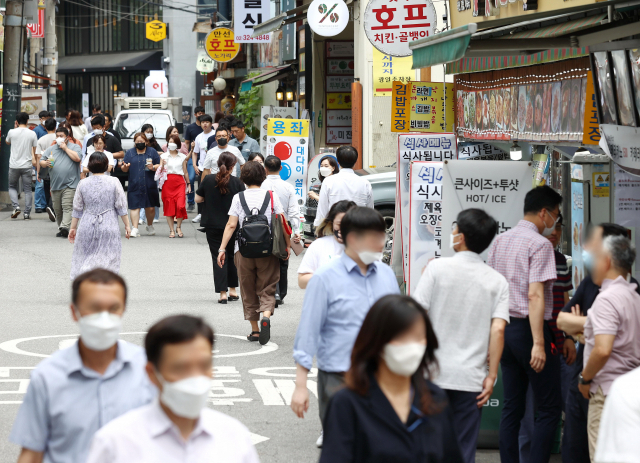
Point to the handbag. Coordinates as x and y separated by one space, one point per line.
278 230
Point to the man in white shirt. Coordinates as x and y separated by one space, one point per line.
45 142
200 152
210 165
468 304
23 143
95 109
344 185
287 195
178 427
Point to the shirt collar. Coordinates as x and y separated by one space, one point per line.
530 225
273 176
159 424
124 355
468 256
346 170
620 281
351 264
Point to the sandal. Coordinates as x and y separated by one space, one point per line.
233 298
172 235
252 336
180 234
265 330
222 301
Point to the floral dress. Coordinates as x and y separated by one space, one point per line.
98 203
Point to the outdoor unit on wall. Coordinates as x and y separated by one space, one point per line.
145 103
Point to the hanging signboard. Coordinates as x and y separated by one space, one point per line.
338 136
481 151
425 218
204 64
328 18
247 15
414 147
622 145
340 49
37 29
341 67
626 211
267 112
288 139
390 26
339 118
498 188
386 69
339 84
156 30
591 129
422 107
220 45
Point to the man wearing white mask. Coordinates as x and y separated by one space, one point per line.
112 144
338 297
178 427
467 299
79 389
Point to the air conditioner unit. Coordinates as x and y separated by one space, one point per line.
145 103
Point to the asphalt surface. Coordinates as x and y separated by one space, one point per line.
165 276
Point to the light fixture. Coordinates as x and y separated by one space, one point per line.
516 152
280 93
219 84
289 95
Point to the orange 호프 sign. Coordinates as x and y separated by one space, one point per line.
220 45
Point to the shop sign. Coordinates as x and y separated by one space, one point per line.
340 67
600 182
386 69
155 30
339 118
328 17
248 14
498 188
37 28
288 140
591 130
220 45
422 107
578 230
390 26
204 64
626 211
338 100
338 135
339 84
267 112
481 151
622 145
340 49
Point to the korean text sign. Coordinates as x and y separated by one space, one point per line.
220 45
422 107
386 69
288 139
496 187
267 112
425 218
248 14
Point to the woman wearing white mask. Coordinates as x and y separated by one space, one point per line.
175 188
99 143
328 166
389 411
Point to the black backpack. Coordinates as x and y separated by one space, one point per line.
254 236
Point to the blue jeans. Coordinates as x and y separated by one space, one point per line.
191 197
40 198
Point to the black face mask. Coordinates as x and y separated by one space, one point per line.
222 141
141 146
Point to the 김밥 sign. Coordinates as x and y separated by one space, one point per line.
328 17
422 107
247 15
288 139
386 69
220 45
390 25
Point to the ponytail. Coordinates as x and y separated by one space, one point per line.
226 164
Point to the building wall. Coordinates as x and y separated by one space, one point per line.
181 48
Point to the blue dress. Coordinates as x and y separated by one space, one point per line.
142 190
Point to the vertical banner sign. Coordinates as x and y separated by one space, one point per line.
267 112
247 15
422 107
417 147
37 29
591 131
400 107
387 69
497 187
626 210
288 139
577 231
425 218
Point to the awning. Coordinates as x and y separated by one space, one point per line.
277 22
560 29
277 73
442 48
111 62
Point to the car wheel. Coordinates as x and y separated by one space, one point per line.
389 216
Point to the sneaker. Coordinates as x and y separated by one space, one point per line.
319 441
63 233
191 208
52 215
135 233
27 216
39 211
197 218
156 220
143 221
150 230
16 213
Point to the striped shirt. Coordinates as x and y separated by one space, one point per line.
560 286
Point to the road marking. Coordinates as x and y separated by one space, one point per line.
268 372
257 438
22 386
280 393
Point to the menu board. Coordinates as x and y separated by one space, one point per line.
426 107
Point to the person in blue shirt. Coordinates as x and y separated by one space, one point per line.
79 389
338 298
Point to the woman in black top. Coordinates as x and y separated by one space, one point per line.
216 192
389 412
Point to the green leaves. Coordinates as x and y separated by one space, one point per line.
248 107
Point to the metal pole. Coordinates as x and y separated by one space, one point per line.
12 86
50 51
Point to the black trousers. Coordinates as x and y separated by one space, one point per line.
281 290
466 418
227 276
47 191
575 441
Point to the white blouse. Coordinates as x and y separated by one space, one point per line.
173 164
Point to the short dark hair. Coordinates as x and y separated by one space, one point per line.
360 220
333 163
221 129
96 107
42 114
22 118
613 229
478 228
98 162
205 118
541 197
347 156
97 275
326 226
176 329
198 109
62 129
252 174
217 116
254 155
50 124
108 116
175 138
237 123
273 164
169 130
98 119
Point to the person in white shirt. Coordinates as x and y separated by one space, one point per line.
620 423
99 142
344 185
178 427
210 165
468 304
95 109
287 195
23 143
327 246
199 152
175 188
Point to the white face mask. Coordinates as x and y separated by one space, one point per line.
325 171
452 239
149 135
369 257
404 359
172 146
99 331
186 397
97 131
549 230
59 141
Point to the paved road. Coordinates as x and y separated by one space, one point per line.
252 383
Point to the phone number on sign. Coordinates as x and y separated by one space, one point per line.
248 37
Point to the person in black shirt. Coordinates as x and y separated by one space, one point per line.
389 412
575 441
108 126
113 145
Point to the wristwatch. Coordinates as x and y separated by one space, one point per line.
583 381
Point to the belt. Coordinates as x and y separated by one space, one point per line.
97 218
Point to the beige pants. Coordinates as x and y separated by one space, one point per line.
258 280
63 206
596 404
